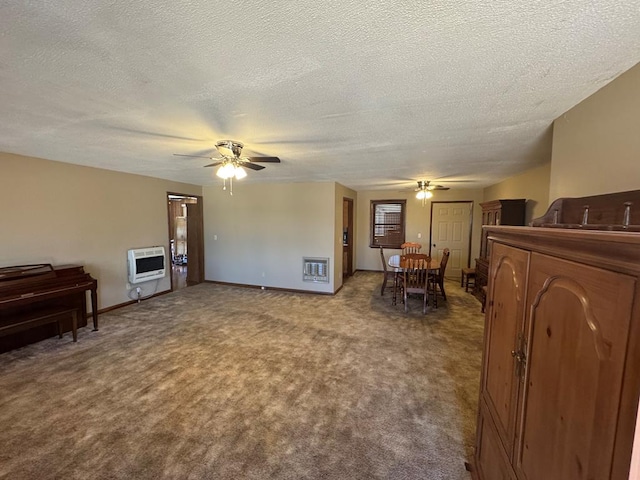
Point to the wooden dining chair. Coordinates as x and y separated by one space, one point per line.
415 277
410 247
436 279
388 274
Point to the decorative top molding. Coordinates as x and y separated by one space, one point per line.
612 212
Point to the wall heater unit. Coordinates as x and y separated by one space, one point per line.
146 264
315 270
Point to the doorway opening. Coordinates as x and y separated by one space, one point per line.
186 240
347 237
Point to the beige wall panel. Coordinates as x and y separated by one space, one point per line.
418 221
62 213
532 185
596 145
596 148
259 235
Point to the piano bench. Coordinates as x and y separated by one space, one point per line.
40 318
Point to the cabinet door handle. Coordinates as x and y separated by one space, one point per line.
521 359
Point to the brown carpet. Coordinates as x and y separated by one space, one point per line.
218 382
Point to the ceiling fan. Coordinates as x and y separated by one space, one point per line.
425 188
231 161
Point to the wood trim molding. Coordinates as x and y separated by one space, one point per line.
617 251
260 287
131 302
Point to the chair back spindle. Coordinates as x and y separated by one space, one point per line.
415 275
410 247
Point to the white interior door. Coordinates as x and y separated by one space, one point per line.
451 228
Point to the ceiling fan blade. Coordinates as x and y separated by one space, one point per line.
264 159
438 187
214 164
252 166
155 134
193 156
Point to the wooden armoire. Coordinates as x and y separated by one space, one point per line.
560 380
496 212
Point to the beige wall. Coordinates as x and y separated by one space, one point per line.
259 235
596 150
65 213
417 221
596 145
532 185
341 193
60 213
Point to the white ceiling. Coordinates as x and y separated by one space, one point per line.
371 96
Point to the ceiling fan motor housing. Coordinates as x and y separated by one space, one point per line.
229 148
425 186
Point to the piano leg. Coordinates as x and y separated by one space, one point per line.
74 325
94 307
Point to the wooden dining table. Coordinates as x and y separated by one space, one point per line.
395 264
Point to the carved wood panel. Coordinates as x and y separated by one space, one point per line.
503 330
492 463
577 331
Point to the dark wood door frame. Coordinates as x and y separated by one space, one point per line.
195 242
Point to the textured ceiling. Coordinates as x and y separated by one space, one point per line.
371 96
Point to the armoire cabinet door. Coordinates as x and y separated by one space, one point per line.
504 321
491 460
577 330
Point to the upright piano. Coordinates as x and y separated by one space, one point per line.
29 292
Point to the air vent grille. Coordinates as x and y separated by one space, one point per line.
315 270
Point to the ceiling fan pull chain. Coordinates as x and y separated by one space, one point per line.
231 186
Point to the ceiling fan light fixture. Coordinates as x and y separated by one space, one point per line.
424 194
227 170
231 164
240 173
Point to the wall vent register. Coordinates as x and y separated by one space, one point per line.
315 270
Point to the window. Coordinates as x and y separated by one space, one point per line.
387 223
